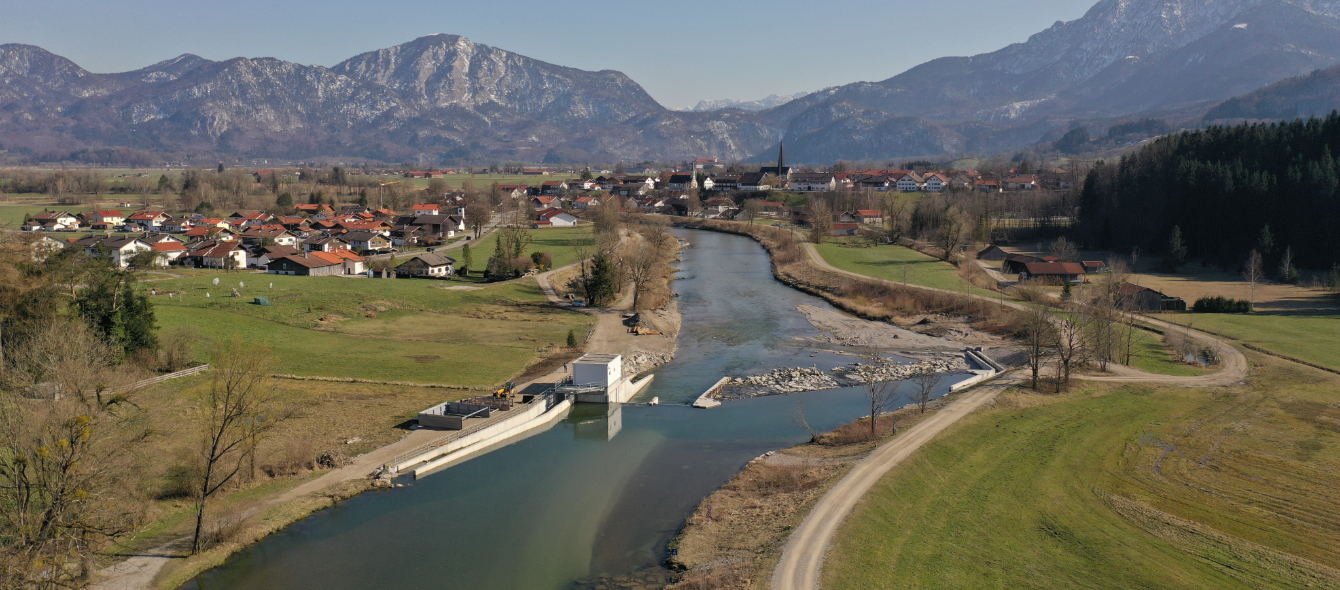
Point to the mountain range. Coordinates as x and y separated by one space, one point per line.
443 98
762 104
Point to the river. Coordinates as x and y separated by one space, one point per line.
598 494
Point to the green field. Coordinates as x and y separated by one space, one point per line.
558 242
1113 487
1152 356
889 262
395 330
1311 337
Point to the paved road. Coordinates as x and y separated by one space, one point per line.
803 554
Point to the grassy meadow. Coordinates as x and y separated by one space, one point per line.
1114 486
1310 337
559 242
888 262
422 331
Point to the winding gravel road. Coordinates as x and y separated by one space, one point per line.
803 554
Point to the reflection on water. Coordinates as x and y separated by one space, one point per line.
600 493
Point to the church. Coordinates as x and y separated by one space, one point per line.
781 170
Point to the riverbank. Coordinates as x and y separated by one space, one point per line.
735 536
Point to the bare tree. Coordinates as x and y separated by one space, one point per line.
1064 249
1070 344
1039 333
240 407
821 219
1253 272
751 209
70 359
641 269
926 382
879 391
798 416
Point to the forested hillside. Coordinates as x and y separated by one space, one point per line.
1221 187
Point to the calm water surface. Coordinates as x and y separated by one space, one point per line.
600 493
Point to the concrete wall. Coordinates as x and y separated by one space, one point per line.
466 446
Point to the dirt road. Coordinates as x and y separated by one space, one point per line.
802 557
804 551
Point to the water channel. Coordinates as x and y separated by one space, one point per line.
600 493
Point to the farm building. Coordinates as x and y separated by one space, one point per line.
1146 299
992 252
308 264
1072 272
430 265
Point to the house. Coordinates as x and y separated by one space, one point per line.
724 183
60 218
262 257
431 265
168 252
210 232
587 201
682 182
119 249
935 182
813 181
870 182
987 186
907 182
148 219
35 225
110 217
1022 183
323 243
427 209
366 241
753 181
405 235
307 264
1071 272
1094 266
870 216
317 209
553 187
218 254
557 218
177 225
771 208
515 191
704 163
992 252
544 202
1131 296
438 225
45 246
708 184
353 263
249 218
257 236
218 222
634 190
846 229
1015 263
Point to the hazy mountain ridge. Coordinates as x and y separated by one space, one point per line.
767 102
444 98
1313 95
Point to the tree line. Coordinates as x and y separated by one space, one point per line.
1215 192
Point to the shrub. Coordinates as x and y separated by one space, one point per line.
1219 304
543 260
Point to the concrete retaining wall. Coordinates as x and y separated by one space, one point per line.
487 439
485 434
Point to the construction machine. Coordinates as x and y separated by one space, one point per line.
506 391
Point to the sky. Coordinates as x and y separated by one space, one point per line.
680 52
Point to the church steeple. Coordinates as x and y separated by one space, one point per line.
781 158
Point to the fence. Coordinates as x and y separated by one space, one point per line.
158 379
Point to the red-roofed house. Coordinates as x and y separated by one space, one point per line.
557 218
846 229
168 252
870 216
426 209
544 202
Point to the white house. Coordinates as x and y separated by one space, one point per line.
558 218
936 182
813 181
908 182
110 217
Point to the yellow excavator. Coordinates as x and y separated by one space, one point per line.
506 391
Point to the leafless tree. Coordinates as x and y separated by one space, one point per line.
1039 334
798 416
879 391
240 407
1253 272
70 359
926 381
1070 344
641 268
751 209
1064 249
821 219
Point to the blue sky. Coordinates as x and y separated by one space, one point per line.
680 52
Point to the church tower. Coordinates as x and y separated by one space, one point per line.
781 159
